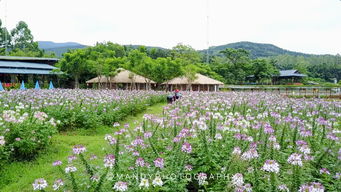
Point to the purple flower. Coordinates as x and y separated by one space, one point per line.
250 154
186 147
202 178
188 167
120 186
57 184
139 162
148 135
70 169
57 163
236 151
39 184
295 159
71 158
324 171
237 179
109 161
78 149
159 162
93 157
271 166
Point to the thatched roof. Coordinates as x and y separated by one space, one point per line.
200 80
121 77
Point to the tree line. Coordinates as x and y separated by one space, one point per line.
19 42
231 66
161 65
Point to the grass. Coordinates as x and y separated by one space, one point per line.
19 176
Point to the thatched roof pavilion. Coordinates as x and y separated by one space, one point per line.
124 79
201 83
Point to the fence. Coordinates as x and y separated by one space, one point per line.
331 92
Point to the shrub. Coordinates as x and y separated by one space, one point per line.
24 134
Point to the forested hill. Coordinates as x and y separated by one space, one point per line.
59 48
256 49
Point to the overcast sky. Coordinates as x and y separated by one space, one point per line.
310 26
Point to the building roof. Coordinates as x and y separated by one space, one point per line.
201 80
16 58
121 77
16 64
290 73
27 71
27 65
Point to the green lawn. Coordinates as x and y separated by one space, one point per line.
19 176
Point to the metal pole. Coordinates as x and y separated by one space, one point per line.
207 32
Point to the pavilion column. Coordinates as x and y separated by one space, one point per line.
199 87
208 87
215 88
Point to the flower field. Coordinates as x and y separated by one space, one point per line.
28 119
215 142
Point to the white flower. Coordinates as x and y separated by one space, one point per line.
283 188
70 169
218 136
271 166
78 149
57 184
202 178
236 151
39 184
144 183
120 186
237 179
200 124
157 182
304 149
250 154
295 159
2 140
109 161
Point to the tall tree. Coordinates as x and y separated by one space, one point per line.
75 64
22 37
190 74
236 67
187 54
5 39
263 70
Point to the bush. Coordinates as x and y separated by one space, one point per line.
24 134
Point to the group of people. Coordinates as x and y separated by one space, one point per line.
174 96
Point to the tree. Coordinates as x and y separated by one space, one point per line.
22 37
263 70
75 64
236 66
187 54
190 74
5 39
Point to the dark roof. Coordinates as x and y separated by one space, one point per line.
27 71
290 73
50 61
27 65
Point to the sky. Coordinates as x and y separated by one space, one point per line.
309 26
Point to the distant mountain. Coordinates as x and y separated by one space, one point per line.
59 48
256 49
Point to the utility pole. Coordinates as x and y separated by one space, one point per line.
207 32
5 24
